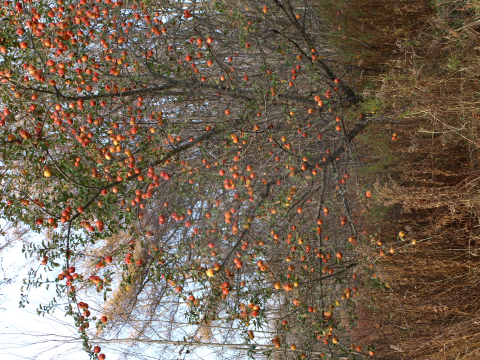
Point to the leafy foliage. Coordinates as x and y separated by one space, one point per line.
207 138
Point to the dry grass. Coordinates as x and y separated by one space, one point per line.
423 300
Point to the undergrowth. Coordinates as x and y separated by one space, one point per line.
416 64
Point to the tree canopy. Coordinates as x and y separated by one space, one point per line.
187 163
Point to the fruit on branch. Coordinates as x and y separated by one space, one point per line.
46 172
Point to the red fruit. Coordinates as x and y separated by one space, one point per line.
96 349
71 269
101 357
80 209
104 319
108 259
368 194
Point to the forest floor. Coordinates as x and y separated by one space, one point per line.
416 64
